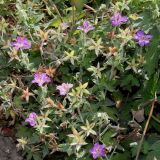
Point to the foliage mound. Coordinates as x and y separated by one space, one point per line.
80 79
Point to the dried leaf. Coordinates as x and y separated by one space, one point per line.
138 115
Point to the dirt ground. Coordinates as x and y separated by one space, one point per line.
8 150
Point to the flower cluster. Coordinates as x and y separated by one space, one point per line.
41 78
118 19
86 27
142 38
21 43
64 88
98 150
31 119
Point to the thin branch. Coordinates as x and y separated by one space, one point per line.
90 8
57 11
145 129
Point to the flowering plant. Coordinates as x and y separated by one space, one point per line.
78 79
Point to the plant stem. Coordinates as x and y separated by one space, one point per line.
83 36
156 119
113 152
145 128
104 131
80 115
90 8
57 11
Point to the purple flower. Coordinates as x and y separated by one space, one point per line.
64 88
86 27
31 119
98 150
142 38
118 19
21 43
41 78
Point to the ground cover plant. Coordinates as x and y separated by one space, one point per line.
80 79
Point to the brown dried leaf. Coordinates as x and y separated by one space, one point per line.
138 115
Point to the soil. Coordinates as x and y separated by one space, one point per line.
8 150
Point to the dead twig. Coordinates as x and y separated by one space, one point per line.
57 11
90 8
146 127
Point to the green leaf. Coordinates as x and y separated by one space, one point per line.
129 81
152 53
150 87
29 156
78 3
110 111
121 156
146 147
154 150
153 154
45 150
66 148
35 138
155 146
18 101
107 137
24 132
56 22
37 156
